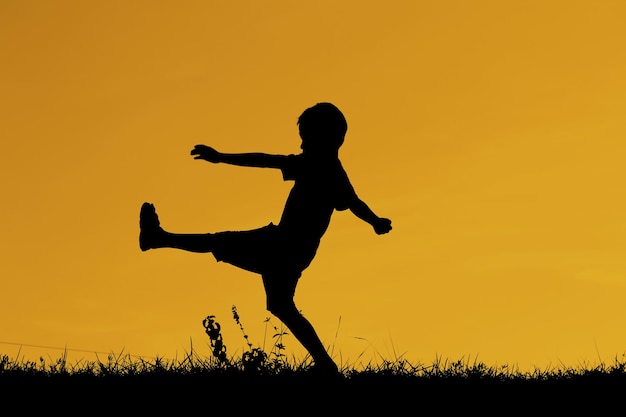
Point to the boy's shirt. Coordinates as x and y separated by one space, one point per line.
320 187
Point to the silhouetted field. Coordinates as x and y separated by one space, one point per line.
264 381
124 386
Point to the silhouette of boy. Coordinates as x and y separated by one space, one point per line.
280 253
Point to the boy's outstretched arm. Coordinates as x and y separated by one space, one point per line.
259 160
362 211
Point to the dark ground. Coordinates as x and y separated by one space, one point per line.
362 394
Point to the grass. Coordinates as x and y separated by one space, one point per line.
262 379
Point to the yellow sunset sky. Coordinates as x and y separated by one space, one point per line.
492 134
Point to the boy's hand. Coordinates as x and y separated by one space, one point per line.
382 226
207 153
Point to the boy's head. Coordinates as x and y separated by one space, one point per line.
323 126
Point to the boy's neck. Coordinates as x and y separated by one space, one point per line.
326 155
321 159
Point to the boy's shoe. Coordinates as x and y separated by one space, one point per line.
149 226
326 371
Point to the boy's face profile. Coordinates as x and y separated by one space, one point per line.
314 142
308 147
306 133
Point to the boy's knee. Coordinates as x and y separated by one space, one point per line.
279 292
280 307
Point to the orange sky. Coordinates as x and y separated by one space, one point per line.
491 133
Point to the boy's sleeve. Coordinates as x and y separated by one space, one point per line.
290 168
344 192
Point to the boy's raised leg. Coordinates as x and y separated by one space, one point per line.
152 235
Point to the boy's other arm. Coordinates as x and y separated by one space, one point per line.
363 212
259 160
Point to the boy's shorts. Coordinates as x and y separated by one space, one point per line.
268 252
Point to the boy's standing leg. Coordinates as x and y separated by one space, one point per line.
280 302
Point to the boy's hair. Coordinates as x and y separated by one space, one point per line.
323 122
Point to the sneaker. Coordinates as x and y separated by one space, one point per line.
149 226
